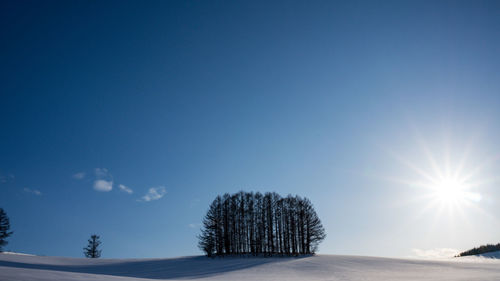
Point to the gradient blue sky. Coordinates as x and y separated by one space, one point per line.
345 103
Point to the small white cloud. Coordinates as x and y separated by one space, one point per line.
194 225
103 185
79 176
125 189
104 180
154 193
32 191
438 253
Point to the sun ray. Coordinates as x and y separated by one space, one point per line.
446 190
410 165
430 157
481 166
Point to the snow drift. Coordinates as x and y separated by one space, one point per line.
321 267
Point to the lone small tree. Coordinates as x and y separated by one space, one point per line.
4 229
91 250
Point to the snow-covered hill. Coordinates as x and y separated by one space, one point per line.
321 267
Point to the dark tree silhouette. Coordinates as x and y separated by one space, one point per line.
483 249
4 229
260 224
92 251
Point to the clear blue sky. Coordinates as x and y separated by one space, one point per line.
346 103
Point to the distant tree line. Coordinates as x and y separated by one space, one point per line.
260 224
481 250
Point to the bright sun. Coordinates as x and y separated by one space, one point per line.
450 190
447 182
452 193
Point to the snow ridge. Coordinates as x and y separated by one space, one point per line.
320 267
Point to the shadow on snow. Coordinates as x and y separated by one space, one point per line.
175 268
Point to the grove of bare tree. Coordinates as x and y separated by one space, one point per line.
260 224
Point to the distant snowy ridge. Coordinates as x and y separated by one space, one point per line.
481 250
488 256
494 255
15 253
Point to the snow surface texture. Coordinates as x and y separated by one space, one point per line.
321 267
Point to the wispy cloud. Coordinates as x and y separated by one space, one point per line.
104 180
154 193
102 173
6 178
125 188
194 202
437 253
79 175
194 225
32 191
103 185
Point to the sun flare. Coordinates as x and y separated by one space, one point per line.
447 183
453 192
450 190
